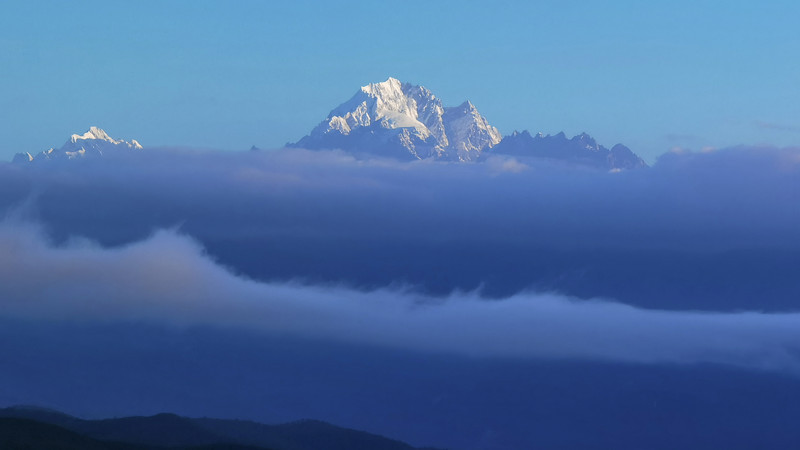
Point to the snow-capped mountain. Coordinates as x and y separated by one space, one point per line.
406 121
399 120
93 143
581 149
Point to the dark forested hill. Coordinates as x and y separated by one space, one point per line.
37 428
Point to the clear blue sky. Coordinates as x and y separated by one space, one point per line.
652 75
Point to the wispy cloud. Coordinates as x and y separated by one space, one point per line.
764 125
167 279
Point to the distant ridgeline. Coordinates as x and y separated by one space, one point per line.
402 121
93 143
408 122
25 427
581 149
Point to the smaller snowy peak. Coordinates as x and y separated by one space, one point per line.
93 143
469 132
99 134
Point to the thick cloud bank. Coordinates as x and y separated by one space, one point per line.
167 279
713 231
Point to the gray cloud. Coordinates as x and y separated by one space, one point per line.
168 279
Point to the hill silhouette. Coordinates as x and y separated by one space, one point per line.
26 427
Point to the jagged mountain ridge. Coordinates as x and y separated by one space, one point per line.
398 119
405 121
93 143
581 149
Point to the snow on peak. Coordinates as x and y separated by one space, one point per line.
390 86
93 133
469 131
407 118
94 142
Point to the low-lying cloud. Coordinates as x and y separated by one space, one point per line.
167 279
725 196
711 230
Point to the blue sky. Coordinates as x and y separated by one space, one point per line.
652 75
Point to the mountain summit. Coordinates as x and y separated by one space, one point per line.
408 122
401 120
95 142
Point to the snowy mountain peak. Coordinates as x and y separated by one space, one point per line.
93 143
403 120
93 133
388 87
469 131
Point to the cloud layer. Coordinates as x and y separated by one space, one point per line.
167 279
709 231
